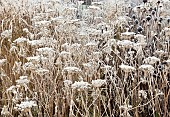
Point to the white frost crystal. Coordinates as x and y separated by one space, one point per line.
98 82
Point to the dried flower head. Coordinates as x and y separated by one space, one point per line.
98 83
81 85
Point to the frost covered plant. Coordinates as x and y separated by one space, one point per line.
84 58
72 69
7 34
143 94
5 111
46 51
98 83
80 86
151 60
42 71
127 35
125 44
21 40
127 68
25 105
67 83
22 80
146 67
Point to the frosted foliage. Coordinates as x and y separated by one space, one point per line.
98 82
25 104
84 58
80 85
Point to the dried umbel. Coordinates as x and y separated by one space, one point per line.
127 68
21 41
98 83
146 68
80 86
22 80
72 69
7 34
127 35
67 83
151 60
125 44
25 105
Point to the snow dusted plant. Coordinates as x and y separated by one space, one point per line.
84 58
98 83
80 85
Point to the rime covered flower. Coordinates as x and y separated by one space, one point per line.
146 67
125 44
87 65
140 38
91 44
67 83
25 105
98 82
22 80
41 71
75 46
42 23
127 35
126 68
72 69
33 59
28 66
6 34
21 40
80 85
151 60
64 54
11 88
46 50
36 42
143 94
94 7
